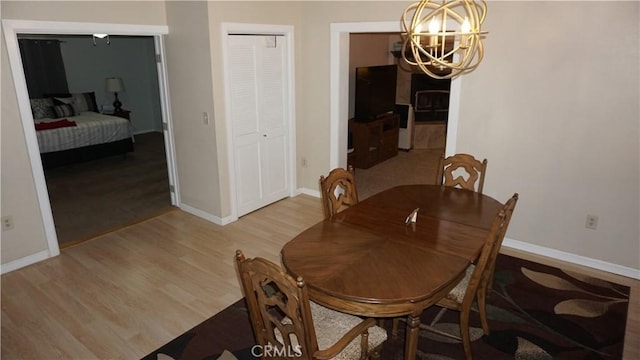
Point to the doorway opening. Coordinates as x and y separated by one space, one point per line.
339 100
11 30
95 183
426 137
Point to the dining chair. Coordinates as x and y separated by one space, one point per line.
338 190
474 171
475 285
287 324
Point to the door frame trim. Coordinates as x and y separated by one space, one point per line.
339 96
11 30
286 31
167 122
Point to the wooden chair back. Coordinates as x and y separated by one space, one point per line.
476 282
282 318
485 266
474 169
271 294
338 190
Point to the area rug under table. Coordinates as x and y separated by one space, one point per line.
535 312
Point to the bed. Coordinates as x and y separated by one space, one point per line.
68 132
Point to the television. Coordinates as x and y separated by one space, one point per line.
375 92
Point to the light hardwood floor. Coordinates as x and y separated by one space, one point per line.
124 294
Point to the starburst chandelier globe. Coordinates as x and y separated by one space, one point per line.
444 38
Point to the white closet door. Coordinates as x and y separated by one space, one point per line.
259 121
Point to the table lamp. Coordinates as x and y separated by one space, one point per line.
115 85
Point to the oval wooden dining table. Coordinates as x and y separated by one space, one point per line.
367 261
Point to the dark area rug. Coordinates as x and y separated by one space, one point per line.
535 312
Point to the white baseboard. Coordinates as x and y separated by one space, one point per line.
314 193
572 258
25 261
227 220
205 215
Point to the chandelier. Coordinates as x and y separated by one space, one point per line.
444 38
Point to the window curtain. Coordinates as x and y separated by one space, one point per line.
43 67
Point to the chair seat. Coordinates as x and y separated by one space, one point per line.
457 293
331 325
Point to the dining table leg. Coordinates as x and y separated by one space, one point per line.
411 341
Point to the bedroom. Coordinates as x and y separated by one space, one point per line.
98 195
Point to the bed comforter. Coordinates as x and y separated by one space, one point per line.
91 129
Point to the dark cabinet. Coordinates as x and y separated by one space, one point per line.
374 141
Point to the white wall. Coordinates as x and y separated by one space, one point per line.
189 70
554 107
18 188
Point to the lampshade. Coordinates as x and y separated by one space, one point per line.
114 85
443 38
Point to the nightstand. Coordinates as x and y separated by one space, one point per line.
125 114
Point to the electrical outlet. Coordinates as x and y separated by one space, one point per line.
7 223
205 118
592 222
304 162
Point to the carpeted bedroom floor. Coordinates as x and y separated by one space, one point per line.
92 198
